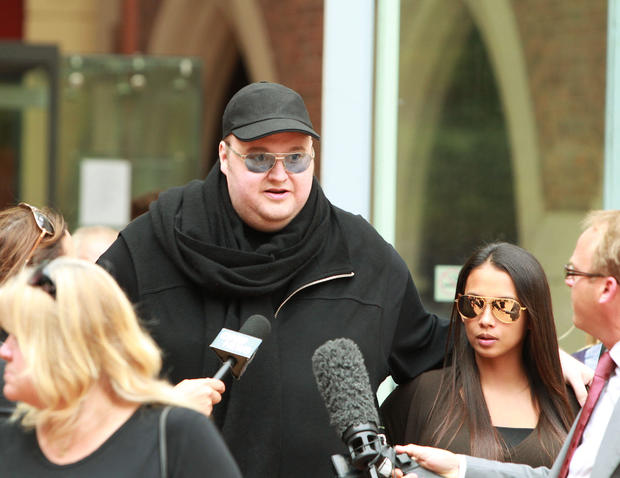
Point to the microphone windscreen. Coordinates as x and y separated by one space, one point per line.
343 382
256 326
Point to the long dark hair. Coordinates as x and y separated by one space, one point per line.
19 232
460 398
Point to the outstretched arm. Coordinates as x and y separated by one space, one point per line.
449 465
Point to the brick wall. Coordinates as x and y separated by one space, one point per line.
564 42
296 33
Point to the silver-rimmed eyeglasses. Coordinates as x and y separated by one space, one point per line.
261 162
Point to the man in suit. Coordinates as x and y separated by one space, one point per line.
593 274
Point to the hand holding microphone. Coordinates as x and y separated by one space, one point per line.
343 382
203 392
236 350
443 462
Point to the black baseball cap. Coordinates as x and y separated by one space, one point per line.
264 108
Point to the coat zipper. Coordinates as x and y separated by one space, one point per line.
305 286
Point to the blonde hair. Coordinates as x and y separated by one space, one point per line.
88 334
606 257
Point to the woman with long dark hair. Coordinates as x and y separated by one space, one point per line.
28 236
500 394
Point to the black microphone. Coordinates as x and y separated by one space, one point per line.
237 349
343 382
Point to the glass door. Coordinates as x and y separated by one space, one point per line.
501 122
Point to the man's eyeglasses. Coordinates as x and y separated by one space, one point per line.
570 271
503 309
296 162
43 223
41 278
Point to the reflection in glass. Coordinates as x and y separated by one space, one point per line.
501 132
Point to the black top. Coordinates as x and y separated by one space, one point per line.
193 268
513 436
6 406
406 416
195 449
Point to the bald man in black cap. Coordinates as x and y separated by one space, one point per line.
258 236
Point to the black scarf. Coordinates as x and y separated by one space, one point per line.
203 235
216 250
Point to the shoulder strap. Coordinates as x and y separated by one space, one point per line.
163 452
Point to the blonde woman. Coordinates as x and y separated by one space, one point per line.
84 375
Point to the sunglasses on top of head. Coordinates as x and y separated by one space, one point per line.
42 279
43 223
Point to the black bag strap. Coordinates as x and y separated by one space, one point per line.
163 452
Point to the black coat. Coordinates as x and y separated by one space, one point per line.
273 418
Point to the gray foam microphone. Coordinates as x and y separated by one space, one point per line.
343 382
